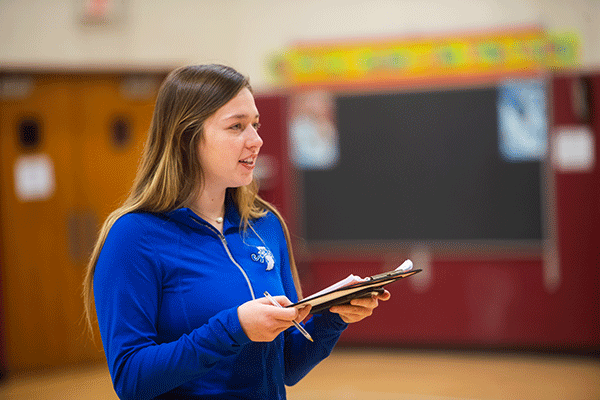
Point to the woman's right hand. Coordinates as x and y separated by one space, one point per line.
262 321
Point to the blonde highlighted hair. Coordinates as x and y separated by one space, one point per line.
170 171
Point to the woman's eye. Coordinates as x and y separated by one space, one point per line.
256 125
236 126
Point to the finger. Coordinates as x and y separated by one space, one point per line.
350 317
282 314
275 326
368 302
303 313
385 296
350 310
282 300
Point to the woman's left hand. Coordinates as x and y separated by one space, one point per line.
359 309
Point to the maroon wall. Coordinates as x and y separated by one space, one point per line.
489 300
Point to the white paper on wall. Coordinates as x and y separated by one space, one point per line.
34 177
573 149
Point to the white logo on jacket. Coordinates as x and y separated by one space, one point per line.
264 255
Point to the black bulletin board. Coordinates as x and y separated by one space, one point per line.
422 166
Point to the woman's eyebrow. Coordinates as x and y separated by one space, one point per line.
240 116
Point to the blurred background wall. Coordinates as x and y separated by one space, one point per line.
244 33
78 79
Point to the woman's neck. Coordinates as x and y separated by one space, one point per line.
209 204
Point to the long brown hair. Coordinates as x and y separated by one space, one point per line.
170 170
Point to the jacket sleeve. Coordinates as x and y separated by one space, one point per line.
127 290
300 354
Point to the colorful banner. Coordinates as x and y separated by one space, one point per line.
410 60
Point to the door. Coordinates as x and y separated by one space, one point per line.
69 151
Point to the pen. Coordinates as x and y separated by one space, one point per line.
296 324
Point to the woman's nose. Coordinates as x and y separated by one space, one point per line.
254 141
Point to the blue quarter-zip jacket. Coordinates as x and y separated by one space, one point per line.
167 287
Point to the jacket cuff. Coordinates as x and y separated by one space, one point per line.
226 326
332 320
237 332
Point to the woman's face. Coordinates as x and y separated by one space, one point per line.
231 143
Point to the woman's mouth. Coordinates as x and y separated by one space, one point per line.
249 162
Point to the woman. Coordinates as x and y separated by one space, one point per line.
178 270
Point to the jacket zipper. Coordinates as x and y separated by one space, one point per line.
226 246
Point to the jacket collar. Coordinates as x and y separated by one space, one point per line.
187 217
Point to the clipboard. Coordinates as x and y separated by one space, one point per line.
342 295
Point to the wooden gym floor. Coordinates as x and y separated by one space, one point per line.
382 374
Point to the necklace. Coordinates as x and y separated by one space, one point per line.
218 220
